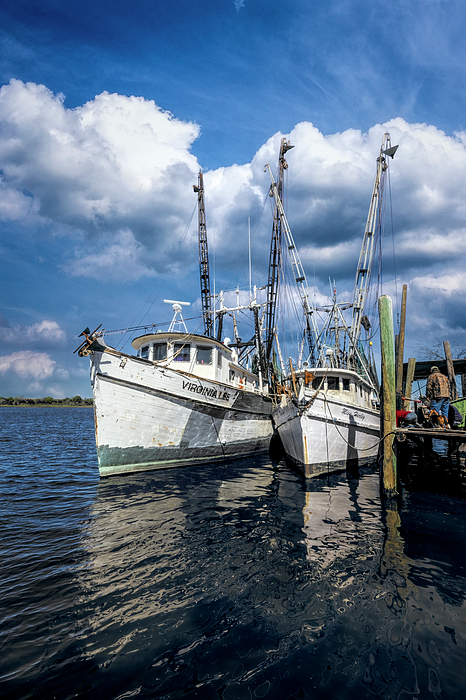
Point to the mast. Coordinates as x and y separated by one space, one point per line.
204 261
274 259
298 271
361 286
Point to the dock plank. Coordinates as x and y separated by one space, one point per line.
438 433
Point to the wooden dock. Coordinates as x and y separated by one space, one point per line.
434 433
402 443
421 442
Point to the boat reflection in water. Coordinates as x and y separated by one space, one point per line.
333 522
254 583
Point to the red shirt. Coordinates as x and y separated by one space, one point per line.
400 415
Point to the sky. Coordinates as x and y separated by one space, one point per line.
108 110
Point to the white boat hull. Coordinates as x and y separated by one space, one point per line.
154 417
328 435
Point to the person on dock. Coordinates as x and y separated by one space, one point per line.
438 391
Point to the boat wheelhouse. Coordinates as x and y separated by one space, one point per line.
206 358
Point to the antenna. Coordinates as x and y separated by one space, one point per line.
177 311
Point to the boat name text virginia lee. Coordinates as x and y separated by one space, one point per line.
206 391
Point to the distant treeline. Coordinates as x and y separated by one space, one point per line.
46 401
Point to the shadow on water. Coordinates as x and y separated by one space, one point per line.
240 581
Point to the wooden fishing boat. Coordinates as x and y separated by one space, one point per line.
184 398
326 411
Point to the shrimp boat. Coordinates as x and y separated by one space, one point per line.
183 398
327 408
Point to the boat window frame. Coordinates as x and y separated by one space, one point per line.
346 384
317 383
204 348
144 352
181 351
333 380
159 345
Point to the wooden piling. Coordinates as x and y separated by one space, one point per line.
401 343
388 418
409 382
450 370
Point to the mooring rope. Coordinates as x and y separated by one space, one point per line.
313 398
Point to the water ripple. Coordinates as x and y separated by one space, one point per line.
240 581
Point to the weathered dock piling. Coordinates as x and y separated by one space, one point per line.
388 403
409 382
450 370
400 349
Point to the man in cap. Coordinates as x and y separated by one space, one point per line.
438 391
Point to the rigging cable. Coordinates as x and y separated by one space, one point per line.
289 305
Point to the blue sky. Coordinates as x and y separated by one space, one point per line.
109 109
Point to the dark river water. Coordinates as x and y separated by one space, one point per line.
232 582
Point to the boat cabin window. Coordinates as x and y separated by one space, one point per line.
232 375
219 359
318 383
346 384
204 355
181 352
145 352
333 383
160 351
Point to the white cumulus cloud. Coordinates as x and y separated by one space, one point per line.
26 363
116 173
43 333
114 163
118 170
